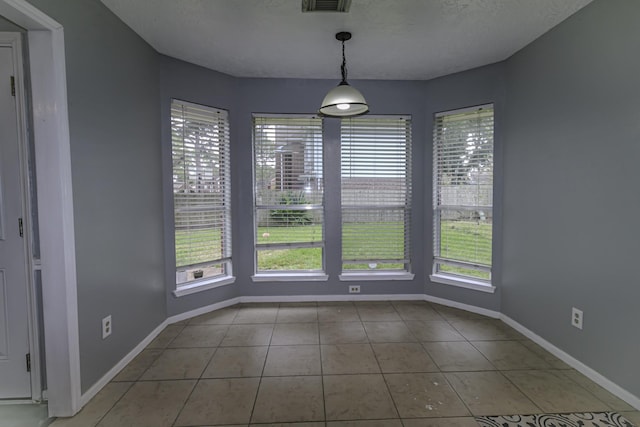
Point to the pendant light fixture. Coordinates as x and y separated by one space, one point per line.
343 100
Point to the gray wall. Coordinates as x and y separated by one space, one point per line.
246 96
304 96
476 87
570 135
192 83
571 198
114 115
6 25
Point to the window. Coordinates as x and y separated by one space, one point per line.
376 194
289 189
201 193
463 193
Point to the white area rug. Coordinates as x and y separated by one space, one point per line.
585 419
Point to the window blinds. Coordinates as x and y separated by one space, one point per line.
289 192
463 192
201 189
376 193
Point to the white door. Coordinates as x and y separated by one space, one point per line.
15 381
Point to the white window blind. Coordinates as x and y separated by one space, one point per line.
463 192
289 191
201 191
376 193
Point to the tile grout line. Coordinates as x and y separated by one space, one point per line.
324 399
206 365
449 383
264 364
114 403
195 385
562 373
384 378
501 374
133 383
521 391
565 379
144 370
444 373
448 320
495 368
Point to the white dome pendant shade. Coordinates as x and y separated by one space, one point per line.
343 100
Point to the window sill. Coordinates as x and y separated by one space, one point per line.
352 277
291 277
203 285
475 285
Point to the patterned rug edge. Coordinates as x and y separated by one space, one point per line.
578 419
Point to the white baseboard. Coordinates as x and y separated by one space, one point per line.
585 370
203 310
570 360
332 298
106 378
111 374
461 306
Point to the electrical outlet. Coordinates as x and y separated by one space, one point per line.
106 327
354 289
576 318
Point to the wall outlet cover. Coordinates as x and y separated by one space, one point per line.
576 318
107 327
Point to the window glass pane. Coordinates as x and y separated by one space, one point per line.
287 225
197 245
297 259
466 235
376 193
463 191
201 190
289 191
374 236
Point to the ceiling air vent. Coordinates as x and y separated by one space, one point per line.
326 5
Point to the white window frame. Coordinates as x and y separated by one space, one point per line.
287 275
219 121
380 274
449 278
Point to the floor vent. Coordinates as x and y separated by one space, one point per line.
326 5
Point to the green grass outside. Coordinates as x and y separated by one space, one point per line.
184 240
466 240
302 233
290 259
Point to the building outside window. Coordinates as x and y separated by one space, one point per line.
288 194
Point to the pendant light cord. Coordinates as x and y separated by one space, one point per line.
343 68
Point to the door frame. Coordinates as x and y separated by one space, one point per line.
13 40
55 203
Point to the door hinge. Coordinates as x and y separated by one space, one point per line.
20 227
13 86
28 362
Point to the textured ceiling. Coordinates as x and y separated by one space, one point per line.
392 39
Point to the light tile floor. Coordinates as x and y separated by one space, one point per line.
374 364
